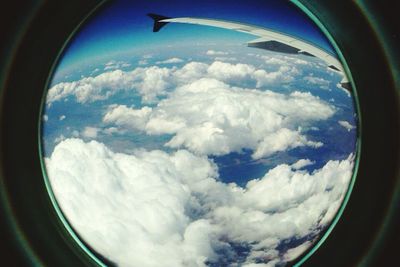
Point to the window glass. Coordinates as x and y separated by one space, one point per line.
203 134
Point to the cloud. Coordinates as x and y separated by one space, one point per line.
75 133
274 60
122 115
45 117
170 61
228 72
151 206
113 65
90 132
293 253
317 81
225 59
191 72
59 138
209 117
95 71
282 140
112 130
143 62
285 60
302 163
153 82
285 74
216 53
62 117
347 125
148 82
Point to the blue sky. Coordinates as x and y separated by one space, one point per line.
122 27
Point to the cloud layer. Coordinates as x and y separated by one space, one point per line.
209 117
148 82
152 82
153 206
148 207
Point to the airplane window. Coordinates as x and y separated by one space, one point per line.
200 134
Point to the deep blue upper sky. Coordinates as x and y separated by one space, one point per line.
122 26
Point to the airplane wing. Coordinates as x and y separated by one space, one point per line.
267 39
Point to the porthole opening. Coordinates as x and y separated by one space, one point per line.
184 136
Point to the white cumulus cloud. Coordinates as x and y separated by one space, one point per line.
90 132
148 82
316 80
302 163
321 82
208 116
346 125
154 81
173 60
154 207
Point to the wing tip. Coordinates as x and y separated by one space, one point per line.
158 24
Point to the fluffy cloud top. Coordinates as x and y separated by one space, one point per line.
153 207
208 116
152 82
148 82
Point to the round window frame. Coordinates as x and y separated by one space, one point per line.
23 222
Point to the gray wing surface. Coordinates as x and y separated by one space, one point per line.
267 39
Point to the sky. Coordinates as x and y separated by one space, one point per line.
106 34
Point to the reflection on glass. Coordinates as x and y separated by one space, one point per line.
184 147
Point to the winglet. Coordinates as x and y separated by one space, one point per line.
158 24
